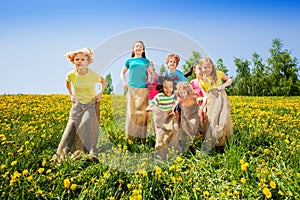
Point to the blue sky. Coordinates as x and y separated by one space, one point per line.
35 35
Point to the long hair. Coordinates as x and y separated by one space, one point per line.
207 61
143 54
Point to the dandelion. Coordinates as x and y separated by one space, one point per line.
73 186
48 171
29 178
3 167
243 167
39 192
13 163
44 162
206 193
272 184
267 192
280 193
25 172
234 182
143 172
242 162
130 142
129 186
243 180
236 192
67 183
178 159
158 170
171 167
40 170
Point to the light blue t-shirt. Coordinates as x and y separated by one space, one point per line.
179 74
137 72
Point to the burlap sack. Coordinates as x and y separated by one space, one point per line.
136 115
217 125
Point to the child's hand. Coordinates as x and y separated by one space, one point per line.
199 100
157 110
171 112
99 96
221 87
72 98
125 86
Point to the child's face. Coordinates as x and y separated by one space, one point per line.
197 70
138 48
168 88
206 69
81 61
172 64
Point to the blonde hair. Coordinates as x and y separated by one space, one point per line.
85 51
183 89
207 61
174 56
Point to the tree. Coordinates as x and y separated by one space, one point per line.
283 71
242 84
220 66
259 78
190 63
109 86
162 70
277 77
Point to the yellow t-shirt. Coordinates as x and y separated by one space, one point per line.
84 85
207 85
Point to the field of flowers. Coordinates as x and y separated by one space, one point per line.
260 161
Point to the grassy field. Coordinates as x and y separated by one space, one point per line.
261 159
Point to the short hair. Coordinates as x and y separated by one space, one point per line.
162 79
86 51
174 56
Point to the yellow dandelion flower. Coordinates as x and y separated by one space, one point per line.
44 162
13 163
48 171
244 167
40 170
280 193
67 183
243 180
29 178
171 167
272 184
130 142
242 162
129 186
143 172
25 172
229 194
267 192
236 192
158 170
3 167
206 193
39 192
234 182
73 186
178 159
